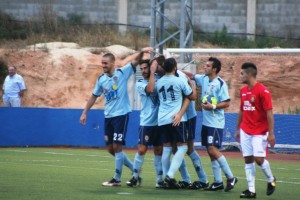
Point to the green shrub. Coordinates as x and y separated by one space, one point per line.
10 29
295 111
226 40
3 71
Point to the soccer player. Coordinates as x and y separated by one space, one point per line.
148 130
214 121
255 128
174 96
113 85
191 125
191 113
168 150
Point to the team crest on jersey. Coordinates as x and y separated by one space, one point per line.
252 99
116 79
114 87
146 138
212 87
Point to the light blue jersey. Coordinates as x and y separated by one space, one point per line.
115 91
217 88
150 103
191 110
171 89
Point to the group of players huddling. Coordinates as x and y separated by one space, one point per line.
168 121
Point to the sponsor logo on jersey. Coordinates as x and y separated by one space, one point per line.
248 106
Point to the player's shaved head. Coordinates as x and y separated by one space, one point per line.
250 69
169 64
110 56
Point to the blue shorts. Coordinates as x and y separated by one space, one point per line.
150 135
211 136
174 134
191 127
115 129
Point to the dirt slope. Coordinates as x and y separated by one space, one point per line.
63 77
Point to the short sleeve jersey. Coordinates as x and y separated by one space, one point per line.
171 91
254 104
217 88
191 109
13 85
150 103
115 92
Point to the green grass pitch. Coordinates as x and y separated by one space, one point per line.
68 173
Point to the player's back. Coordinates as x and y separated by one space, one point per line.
170 92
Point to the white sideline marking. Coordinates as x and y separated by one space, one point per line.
126 193
59 153
60 166
22 151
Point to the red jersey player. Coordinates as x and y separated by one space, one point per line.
255 128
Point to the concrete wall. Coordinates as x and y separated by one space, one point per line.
278 17
273 17
95 11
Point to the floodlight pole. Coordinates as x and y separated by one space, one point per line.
185 28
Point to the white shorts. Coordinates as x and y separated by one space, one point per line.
253 145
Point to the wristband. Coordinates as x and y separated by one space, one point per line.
214 107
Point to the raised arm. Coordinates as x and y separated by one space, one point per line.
193 96
151 84
139 55
189 74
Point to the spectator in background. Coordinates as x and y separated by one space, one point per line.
13 88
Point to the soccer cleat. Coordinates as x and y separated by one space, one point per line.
139 181
230 184
248 195
197 185
171 183
112 183
134 182
160 184
271 187
183 184
216 186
